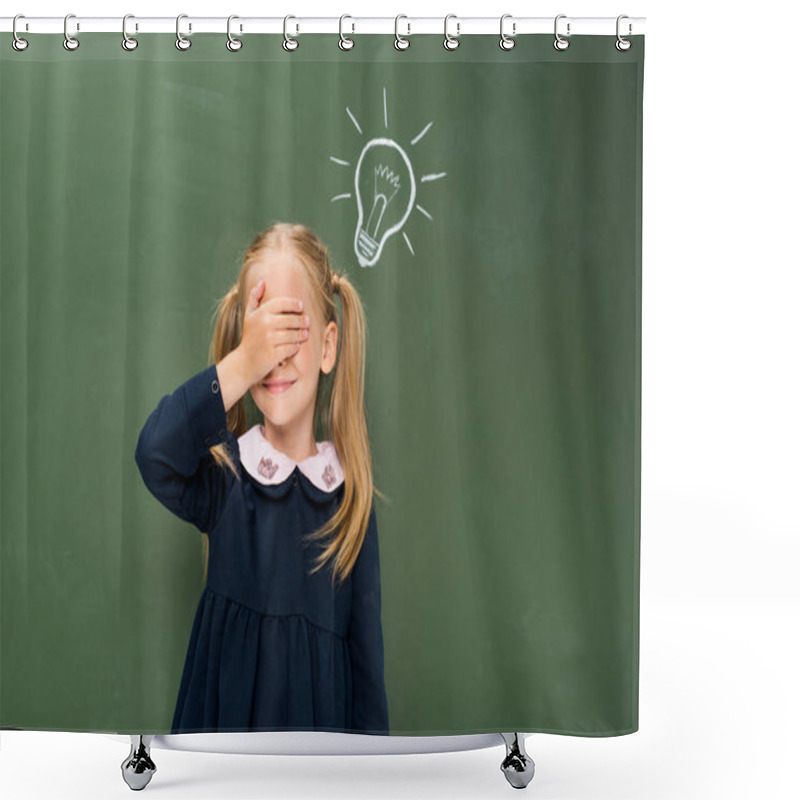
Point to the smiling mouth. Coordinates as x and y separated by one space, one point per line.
277 387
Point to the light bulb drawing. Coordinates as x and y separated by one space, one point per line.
385 187
386 197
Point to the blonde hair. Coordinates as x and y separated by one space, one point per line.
340 412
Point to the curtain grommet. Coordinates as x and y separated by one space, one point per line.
18 43
181 42
233 44
507 42
290 44
70 42
451 42
560 42
128 42
622 44
401 43
344 42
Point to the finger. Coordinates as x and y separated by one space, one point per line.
295 322
286 305
255 295
288 348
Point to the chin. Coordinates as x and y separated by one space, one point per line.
274 407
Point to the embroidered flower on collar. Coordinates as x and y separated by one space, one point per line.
268 465
329 475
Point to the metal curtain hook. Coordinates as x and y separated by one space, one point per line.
621 43
128 42
506 42
181 42
18 42
399 42
560 42
344 42
70 42
288 42
233 44
451 42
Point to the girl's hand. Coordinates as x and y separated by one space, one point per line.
271 332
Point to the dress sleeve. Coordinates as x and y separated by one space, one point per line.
173 451
365 638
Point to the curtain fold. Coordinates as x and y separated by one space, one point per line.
503 356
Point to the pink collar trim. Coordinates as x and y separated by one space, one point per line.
269 465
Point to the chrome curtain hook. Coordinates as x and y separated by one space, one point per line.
70 42
344 42
622 43
451 42
233 44
128 42
181 42
288 42
507 42
401 43
18 43
560 42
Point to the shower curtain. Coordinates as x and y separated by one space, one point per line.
486 206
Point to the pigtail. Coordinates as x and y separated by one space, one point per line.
347 427
226 337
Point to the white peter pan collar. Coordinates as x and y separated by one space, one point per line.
269 465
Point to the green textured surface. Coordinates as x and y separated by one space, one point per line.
503 372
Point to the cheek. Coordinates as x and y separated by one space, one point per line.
307 355
311 349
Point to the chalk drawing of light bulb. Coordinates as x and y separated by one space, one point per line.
385 191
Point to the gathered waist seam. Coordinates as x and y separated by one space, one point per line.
274 616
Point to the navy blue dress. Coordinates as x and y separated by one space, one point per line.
271 647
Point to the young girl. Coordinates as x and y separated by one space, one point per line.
281 640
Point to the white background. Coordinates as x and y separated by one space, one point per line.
719 698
